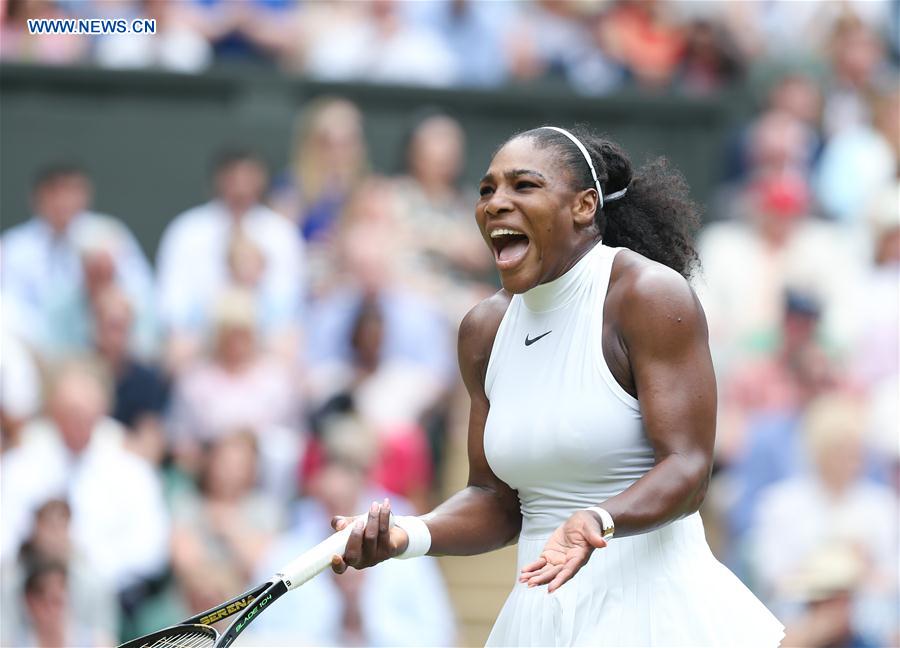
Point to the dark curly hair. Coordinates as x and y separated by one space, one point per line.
655 218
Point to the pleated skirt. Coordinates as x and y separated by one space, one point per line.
662 588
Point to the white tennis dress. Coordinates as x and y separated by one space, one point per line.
565 434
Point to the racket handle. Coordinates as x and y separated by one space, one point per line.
313 562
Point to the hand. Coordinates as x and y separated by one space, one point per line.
567 551
372 541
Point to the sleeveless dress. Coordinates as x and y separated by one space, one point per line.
565 435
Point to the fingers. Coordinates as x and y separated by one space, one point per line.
338 566
370 541
537 564
568 570
353 552
370 535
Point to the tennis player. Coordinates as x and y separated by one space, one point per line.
593 408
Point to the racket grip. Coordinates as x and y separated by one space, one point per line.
313 562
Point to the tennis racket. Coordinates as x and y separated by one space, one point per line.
196 632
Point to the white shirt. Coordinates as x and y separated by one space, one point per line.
42 274
119 519
192 266
797 516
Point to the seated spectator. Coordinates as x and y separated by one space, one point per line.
781 383
77 453
646 39
397 603
748 264
368 260
176 45
876 348
833 505
233 29
227 523
474 31
20 386
548 40
18 44
825 592
710 62
55 264
871 150
239 386
374 41
92 614
141 392
328 160
193 261
434 210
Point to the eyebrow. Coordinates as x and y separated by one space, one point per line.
515 173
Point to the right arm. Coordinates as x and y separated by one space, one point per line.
485 514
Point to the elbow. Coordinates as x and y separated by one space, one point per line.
696 475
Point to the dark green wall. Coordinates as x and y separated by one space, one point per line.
147 137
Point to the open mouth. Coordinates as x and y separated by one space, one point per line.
509 246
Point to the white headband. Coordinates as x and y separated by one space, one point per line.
613 196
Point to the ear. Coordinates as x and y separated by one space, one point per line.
584 208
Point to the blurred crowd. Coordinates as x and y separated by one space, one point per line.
173 431
593 46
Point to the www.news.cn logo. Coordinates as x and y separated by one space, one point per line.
97 26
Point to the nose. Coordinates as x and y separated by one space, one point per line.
497 204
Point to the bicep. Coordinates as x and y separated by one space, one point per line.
673 374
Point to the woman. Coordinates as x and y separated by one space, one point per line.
593 411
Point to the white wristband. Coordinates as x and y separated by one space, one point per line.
418 533
607 526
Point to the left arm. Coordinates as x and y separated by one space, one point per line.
663 331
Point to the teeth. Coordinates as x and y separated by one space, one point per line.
505 232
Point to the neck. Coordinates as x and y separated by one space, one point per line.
553 294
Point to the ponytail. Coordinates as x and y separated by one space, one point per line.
655 218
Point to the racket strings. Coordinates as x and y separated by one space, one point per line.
183 639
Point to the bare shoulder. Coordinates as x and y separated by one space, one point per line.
476 336
653 301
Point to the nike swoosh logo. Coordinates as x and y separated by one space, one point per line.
530 341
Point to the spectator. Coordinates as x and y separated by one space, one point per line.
55 264
92 616
710 61
141 392
832 506
193 261
240 386
77 453
824 589
782 383
227 524
871 150
474 32
857 58
20 387
176 45
561 40
644 37
374 41
784 247
397 603
876 349
233 28
328 160
368 257
445 258
18 44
